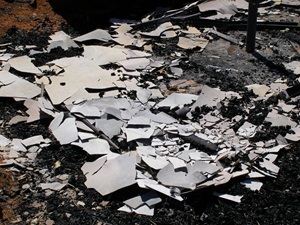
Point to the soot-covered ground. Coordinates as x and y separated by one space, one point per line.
277 202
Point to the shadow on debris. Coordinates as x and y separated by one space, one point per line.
273 66
90 14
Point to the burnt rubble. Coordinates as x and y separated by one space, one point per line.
150 118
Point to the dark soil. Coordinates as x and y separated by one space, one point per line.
23 15
277 202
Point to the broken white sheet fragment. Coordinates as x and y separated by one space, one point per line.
191 30
86 111
85 136
102 55
277 87
90 168
142 204
192 42
81 94
66 132
258 89
203 167
17 119
176 71
61 39
290 2
99 34
95 146
127 39
169 177
56 121
234 198
295 136
110 128
55 186
160 117
135 63
33 110
279 120
222 6
156 162
64 44
13 86
159 30
24 64
209 97
34 140
294 66
177 100
268 164
247 130
139 121
4 141
78 72
115 174
124 39
176 162
6 56
59 36
252 184
141 210
143 95
137 133
17 145
122 28
166 191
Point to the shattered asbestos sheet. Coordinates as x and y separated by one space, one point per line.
21 153
209 10
14 86
103 98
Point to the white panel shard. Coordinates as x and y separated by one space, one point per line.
115 174
66 132
279 120
234 198
177 99
24 64
252 184
78 73
13 86
99 34
94 146
209 97
169 177
55 186
143 204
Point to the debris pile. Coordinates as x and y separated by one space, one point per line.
176 142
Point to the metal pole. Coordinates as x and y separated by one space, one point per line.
251 26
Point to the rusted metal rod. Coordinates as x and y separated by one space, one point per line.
251 25
240 25
92 127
